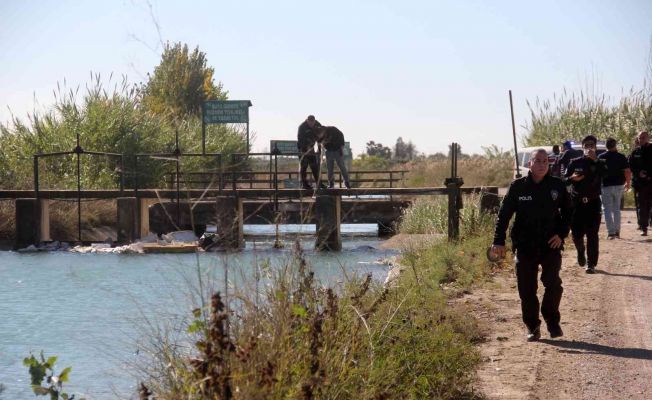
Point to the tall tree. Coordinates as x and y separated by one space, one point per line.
377 149
181 83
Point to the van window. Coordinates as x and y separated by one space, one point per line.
525 159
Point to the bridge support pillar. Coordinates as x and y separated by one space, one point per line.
32 222
229 223
127 218
328 214
143 218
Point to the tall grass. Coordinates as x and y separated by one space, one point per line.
430 215
476 171
109 118
573 116
294 338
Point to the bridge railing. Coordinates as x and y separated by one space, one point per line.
284 179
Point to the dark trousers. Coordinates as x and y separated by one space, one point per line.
527 269
644 204
586 222
309 158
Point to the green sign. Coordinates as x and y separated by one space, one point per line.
226 111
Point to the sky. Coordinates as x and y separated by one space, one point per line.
432 72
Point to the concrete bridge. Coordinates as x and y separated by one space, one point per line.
140 211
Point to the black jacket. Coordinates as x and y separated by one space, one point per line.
591 186
641 160
562 162
306 136
542 210
333 139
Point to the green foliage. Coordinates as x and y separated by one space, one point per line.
107 121
366 162
430 216
296 339
181 83
573 116
43 378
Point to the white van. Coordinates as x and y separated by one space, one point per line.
524 154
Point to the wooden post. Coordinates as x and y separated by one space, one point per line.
127 219
327 210
229 223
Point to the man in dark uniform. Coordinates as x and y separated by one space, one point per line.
306 138
542 207
562 161
640 162
555 169
333 141
584 176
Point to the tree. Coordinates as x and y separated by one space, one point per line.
181 83
404 151
378 150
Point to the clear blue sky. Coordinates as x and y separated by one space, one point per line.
432 72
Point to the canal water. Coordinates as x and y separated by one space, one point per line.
93 310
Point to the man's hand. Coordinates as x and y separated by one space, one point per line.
592 154
576 177
555 242
497 251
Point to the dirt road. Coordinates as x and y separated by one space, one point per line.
606 350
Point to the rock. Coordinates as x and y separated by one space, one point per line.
29 249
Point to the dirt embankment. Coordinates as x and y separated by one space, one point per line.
606 350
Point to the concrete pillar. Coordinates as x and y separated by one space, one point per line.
44 220
127 218
28 221
327 211
229 223
143 218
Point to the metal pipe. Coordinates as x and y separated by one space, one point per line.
511 107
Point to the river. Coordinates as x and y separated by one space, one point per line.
92 310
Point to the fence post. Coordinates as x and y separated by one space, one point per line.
453 185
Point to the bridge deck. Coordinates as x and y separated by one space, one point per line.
243 193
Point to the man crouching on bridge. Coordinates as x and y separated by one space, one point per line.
543 209
333 141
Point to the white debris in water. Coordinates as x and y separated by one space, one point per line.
180 237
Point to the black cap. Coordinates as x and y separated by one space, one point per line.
589 138
311 118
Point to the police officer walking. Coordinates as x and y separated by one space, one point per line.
542 207
617 179
584 175
640 162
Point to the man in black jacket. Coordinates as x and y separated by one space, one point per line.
640 162
584 176
542 207
333 141
561 163
306 138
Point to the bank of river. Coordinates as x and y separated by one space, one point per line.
90 309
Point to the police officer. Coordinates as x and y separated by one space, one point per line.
569 153
640 162
542 207
584 176
306 138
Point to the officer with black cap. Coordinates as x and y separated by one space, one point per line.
584 176
561 163
542 207
641 165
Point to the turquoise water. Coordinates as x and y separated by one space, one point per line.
90 310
